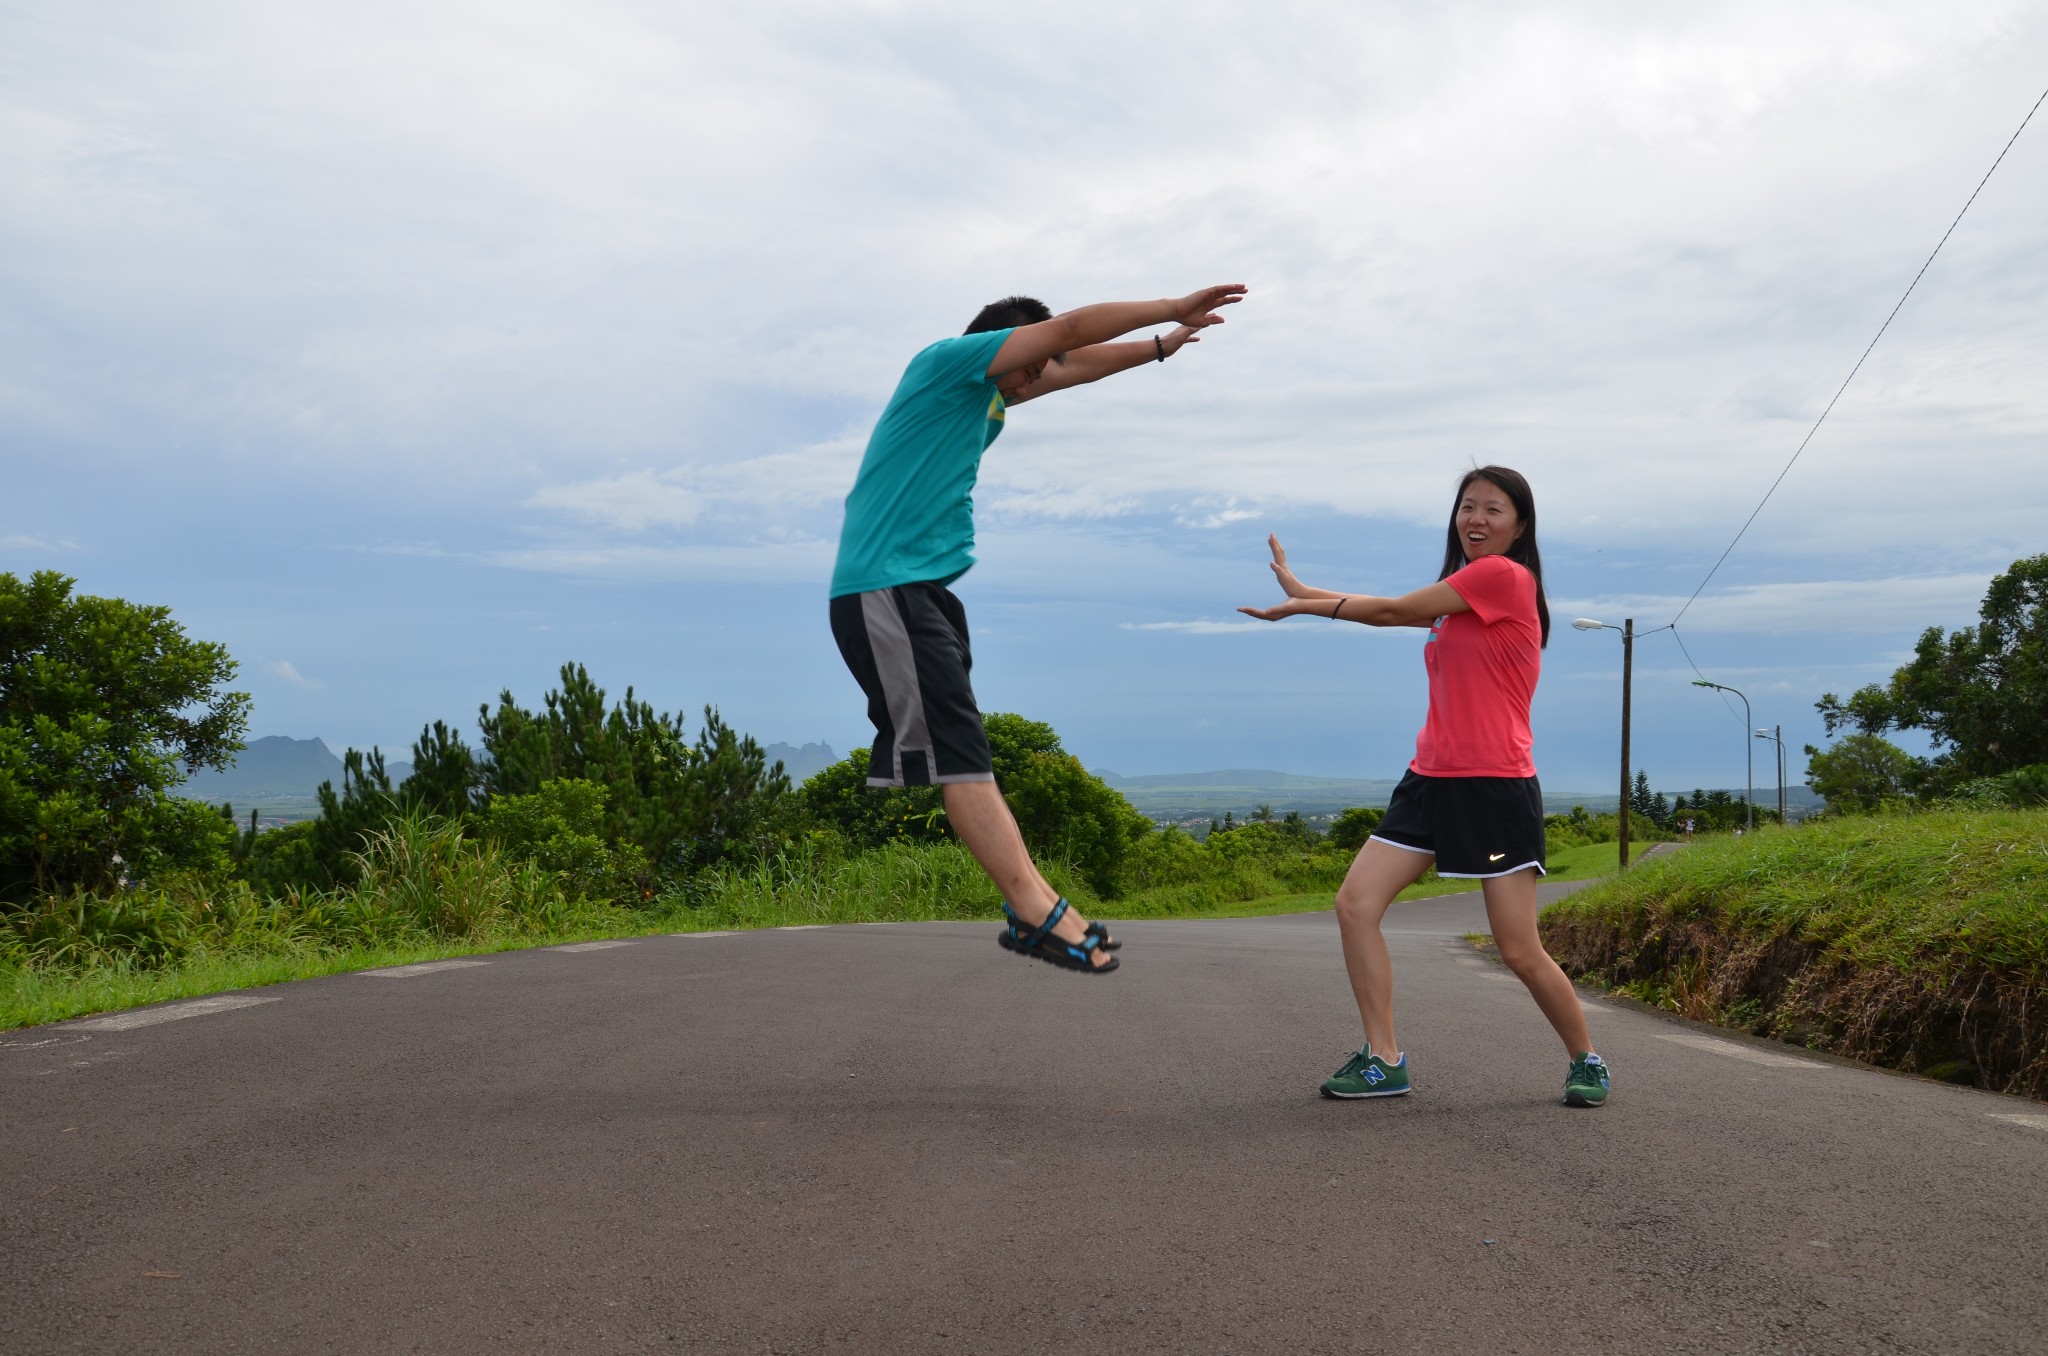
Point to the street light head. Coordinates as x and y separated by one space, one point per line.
1587 624
1701 682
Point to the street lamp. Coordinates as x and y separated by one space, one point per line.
1628 652
1776 734
1748 759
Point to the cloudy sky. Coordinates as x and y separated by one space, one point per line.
413 349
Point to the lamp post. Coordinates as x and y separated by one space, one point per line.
1776 734
1748 758
1628 651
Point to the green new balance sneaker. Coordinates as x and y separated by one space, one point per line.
1365 1074
1586 1084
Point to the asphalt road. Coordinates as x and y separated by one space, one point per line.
903 1139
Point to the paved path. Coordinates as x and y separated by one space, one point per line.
902 1139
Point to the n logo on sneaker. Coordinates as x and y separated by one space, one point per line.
1375 1076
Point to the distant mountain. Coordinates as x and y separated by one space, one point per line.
275 768
1168 796
1255 779
800 761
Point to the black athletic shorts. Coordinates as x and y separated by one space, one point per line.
908 648
1477 827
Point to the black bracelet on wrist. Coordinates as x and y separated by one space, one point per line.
1159 348
1336 607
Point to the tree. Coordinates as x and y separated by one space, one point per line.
105 705
1982 692
1859 772
683 804
1641 803
1350 829
1063 810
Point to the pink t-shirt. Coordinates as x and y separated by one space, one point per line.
1482 673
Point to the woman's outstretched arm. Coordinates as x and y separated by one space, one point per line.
1420 608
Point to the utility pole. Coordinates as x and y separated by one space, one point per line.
1628 652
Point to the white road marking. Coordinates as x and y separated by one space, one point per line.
801 927
703 934
2031 1122
423 968
128 1021
47 1040
1742 1052
589 946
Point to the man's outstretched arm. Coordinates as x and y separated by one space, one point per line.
1101 360
1091 325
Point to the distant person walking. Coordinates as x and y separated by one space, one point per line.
1470 802
909 532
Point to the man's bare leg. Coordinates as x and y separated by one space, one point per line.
1511 909
982 818
1377 874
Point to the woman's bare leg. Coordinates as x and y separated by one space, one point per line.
1511 908
1377 874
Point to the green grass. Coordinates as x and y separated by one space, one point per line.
426 903
31 995
1918 941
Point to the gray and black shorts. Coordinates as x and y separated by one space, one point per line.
1475 827
908 648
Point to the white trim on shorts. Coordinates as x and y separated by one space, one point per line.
1405 847
1541 871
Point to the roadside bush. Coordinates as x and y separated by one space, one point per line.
1065 812
839 798
560 829
418 879
2018 789
1350 829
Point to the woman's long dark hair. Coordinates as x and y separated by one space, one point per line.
1523 552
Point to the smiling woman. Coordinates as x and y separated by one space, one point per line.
1470 804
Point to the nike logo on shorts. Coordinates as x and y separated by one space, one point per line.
1496 856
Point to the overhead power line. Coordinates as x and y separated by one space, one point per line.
1859 363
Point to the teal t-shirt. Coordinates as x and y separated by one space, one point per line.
910 516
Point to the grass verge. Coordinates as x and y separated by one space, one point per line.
157 951
1918 942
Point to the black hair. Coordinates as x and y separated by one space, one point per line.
1009 314
1523 552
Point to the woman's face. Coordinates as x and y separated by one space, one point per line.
1487 522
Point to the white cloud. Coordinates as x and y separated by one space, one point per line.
283 668
632 502
793 561
21 542
1206 626
1816 607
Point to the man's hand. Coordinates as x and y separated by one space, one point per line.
1197 310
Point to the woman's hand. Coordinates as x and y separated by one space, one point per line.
1287 609
1297 592
1294 587
1182 334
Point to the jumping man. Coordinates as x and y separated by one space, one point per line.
909 533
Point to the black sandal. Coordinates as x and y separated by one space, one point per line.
1101 930
1039 942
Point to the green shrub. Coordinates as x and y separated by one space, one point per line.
560 829
1351 829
